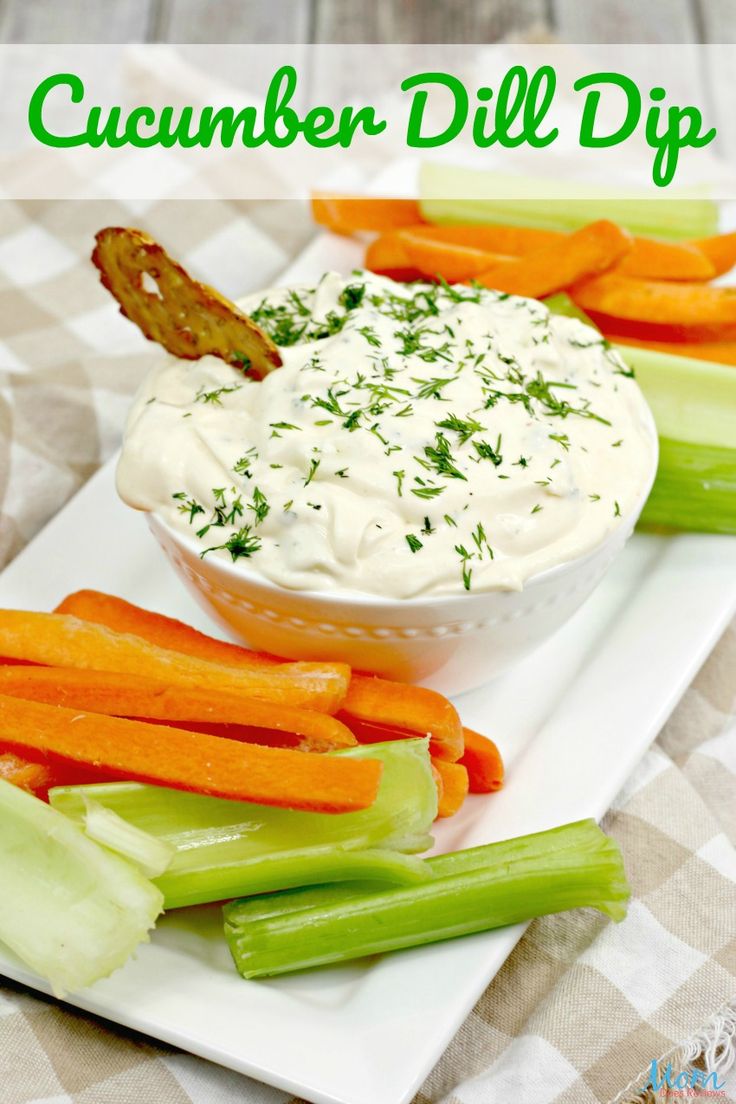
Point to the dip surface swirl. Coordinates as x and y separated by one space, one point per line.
418 440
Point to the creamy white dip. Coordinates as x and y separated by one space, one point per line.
417 440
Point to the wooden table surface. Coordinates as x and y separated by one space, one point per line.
364 20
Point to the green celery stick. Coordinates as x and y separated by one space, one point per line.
691 400
150 854
694 408
456 194
228 848
568 867
695 488
70 909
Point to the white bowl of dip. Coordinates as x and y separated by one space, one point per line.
450 643
429 486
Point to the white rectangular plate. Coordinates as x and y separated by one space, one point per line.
572 722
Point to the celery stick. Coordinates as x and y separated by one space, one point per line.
694 408
572 866
227 848
150 854
70 909
695 488
452 193
691 400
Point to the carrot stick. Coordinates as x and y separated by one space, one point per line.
483 763
386 255
156 628
720 251
513 241
33 777
651 259
658 302
585 253
345 214
648 258
59 640
413 709
447 260
189 761
620 328
120 695
722 352
454 786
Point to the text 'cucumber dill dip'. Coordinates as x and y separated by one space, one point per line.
418 440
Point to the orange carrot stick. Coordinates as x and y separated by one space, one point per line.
651 259
345 214
33 777
722 352
415 710
511 241
619 328
386 255
588 251
454 786
412 709
59 640
188 760
658 302
483 763
720 251
156 628
447 260
648 258
120 695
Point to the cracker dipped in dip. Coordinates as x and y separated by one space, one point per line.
419 439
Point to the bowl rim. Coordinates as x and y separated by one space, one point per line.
336 598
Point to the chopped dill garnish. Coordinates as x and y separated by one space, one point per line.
464 427
240 544
427 492
370 335
465 558
313 465
486 451
440 458
480 540
188 505
352 296
213 397
431 388
561 439
259 506
243 465
282 425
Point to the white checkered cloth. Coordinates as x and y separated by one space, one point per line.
582 1006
